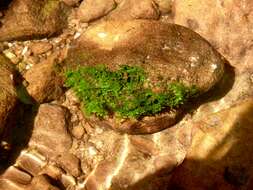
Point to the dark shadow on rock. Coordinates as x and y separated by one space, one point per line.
4 4
19 127
216 92
218 170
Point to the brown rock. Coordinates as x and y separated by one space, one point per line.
78 131
42 182
70 164
50 134
90 10
8 96
221 153
131 9
26 19
135 162
165 6
170 51
40 47
230 33
71 2
44 83
17 176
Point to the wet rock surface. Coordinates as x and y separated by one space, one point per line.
209 149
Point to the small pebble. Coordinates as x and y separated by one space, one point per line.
78 131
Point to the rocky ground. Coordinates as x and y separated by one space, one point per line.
47 143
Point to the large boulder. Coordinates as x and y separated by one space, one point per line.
163 50
25 19
8 95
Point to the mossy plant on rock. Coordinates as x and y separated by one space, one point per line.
125 93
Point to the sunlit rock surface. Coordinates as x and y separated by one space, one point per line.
26 19
168 51
221 155
214 142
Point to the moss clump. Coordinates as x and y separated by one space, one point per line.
125 92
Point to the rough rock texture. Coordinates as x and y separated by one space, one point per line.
118 161
220 156
131 9
221 153
165 6
25 19
8 106
40 47
71 2
8 95
169 51
90 10
50 132
44 84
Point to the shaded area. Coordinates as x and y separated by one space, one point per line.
220 157
19 128
4 4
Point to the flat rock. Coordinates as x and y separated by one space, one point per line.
170 51
8 95
27 19
44 84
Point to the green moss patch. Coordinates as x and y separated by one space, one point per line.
125 93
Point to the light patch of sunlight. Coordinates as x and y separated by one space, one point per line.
120 162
